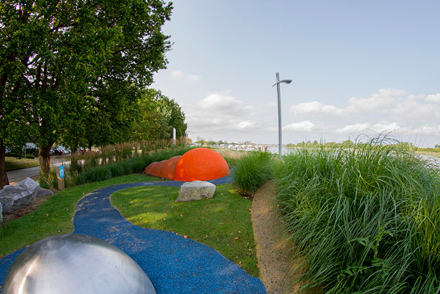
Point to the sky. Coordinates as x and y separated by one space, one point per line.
358 69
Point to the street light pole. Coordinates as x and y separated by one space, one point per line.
279 111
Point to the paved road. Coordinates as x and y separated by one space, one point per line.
16 176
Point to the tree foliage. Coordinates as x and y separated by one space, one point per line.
64 63
157 115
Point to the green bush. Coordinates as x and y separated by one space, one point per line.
363 220
116 169
97 174
138 163
252 171
119 168
51 182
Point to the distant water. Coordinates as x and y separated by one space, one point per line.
284 150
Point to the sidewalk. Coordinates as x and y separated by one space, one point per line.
16 176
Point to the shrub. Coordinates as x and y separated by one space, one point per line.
119 168
97 174
49 182
363 220
116 169
252 171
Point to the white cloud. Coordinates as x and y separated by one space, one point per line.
405 111
247 125
378 102
220 112
317 108
220 101
192 78
180 75
433 98
359 128
428 130
385 126
413 111
177 74
353 129
303 126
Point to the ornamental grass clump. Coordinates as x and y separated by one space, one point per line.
134 164
252 171
363 220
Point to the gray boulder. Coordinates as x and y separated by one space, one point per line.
28 184
15 197
1 213
44 192
196 190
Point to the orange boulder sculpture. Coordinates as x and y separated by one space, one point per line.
157 168
201 164
149 168
168 168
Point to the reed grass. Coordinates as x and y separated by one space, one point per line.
130 165
363 220
231 156
81 162
252 171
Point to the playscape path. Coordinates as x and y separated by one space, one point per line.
173 264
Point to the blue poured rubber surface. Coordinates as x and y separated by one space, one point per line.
173 264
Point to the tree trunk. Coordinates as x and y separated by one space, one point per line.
3 176
44 158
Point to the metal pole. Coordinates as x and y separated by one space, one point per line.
279 116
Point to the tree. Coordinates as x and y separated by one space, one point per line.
157 115
57 57
109 117
347 144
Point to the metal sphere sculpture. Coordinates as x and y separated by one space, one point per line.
75 264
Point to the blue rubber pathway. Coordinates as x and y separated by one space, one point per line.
173 264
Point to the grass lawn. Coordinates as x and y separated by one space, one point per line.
53 217
223 223
14 163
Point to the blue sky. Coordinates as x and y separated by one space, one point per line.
358 67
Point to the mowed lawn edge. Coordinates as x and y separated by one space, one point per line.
223 222
14 163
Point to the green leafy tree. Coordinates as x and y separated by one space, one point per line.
57 56
157 115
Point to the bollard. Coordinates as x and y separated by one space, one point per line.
60 177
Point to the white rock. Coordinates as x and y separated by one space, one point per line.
1 213
196 190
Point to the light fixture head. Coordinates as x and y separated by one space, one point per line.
283 81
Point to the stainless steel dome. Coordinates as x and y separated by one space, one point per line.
75 264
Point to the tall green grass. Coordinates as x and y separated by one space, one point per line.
82 162
123 167
253 170
364 220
